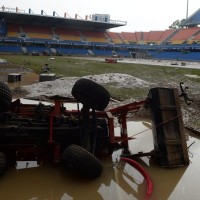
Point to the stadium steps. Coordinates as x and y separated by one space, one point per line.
24 50
83 38
122 39
170 36
109 40
195 38
90 52
53 51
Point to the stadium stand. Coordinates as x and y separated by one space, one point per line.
154 37
183 35
67 34
128 37
10 49
173 55
195 39
94 36
13 30
47 35
74 51
144 37
102 52
114 37
139 37
166 35
39 32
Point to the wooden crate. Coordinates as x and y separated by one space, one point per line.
168 128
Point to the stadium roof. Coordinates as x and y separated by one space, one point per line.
193 20
56 21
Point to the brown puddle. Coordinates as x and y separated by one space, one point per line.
119 181
27 78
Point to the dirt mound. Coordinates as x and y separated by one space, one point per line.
63 86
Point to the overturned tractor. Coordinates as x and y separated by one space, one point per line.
78 137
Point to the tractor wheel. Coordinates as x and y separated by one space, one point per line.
91 94
5 97
2 163
83 161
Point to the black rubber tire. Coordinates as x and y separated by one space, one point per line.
91 94
3 163
82 161
5 97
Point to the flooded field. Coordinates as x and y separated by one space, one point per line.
119 181
28 77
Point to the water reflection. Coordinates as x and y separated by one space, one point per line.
66 197
114 191
26 164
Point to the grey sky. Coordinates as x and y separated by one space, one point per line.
141 15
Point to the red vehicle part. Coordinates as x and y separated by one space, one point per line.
121 112
56 112
110 60
142 171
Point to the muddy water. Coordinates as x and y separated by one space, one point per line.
28 77
119 181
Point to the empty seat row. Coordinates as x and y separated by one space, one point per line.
179 36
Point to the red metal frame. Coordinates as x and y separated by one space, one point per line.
56 112
119 112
